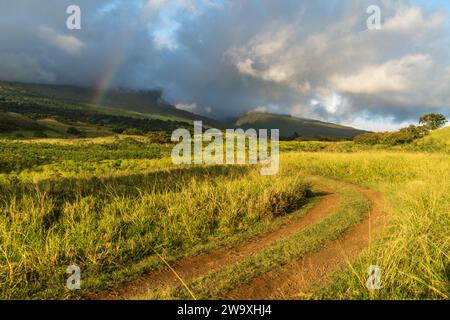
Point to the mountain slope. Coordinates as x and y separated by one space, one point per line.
292 126
147 102
27 112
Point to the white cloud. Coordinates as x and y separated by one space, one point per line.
193 107
332 102
411 19
398 75
259 109
70 44
155 5
265 50
246 67
187 107
164 41
377 124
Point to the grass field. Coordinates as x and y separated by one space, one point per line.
413 254
117 207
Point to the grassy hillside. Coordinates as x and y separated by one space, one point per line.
290 126
435 141
10 122
46 111
438 140
148 102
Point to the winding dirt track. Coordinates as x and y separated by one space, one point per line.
291 281
296 279
191 267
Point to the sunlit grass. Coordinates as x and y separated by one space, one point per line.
108 204
103 225
413 254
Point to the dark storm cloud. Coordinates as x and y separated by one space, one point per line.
307 58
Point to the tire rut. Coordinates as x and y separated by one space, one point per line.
297 279
191 267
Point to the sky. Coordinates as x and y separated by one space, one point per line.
222 58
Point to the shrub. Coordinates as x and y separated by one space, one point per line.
133 132
118 130
74 131
159 137
39 134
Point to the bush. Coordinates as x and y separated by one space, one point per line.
406 135
159 137
39 134
74 131
118 130
369 138
133 132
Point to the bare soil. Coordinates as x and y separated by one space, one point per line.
297 279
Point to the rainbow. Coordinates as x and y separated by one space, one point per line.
108 76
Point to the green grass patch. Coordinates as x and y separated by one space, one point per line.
47 228
214 285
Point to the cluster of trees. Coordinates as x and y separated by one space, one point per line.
406 135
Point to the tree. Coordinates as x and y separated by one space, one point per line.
433 121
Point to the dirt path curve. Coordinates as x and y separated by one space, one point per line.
191 267
296 279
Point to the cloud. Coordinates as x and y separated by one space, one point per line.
256 58
398 75
154 5
187 107
259 109
312 59
378 124
193 107
190 7
69 44
411 19
164 41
